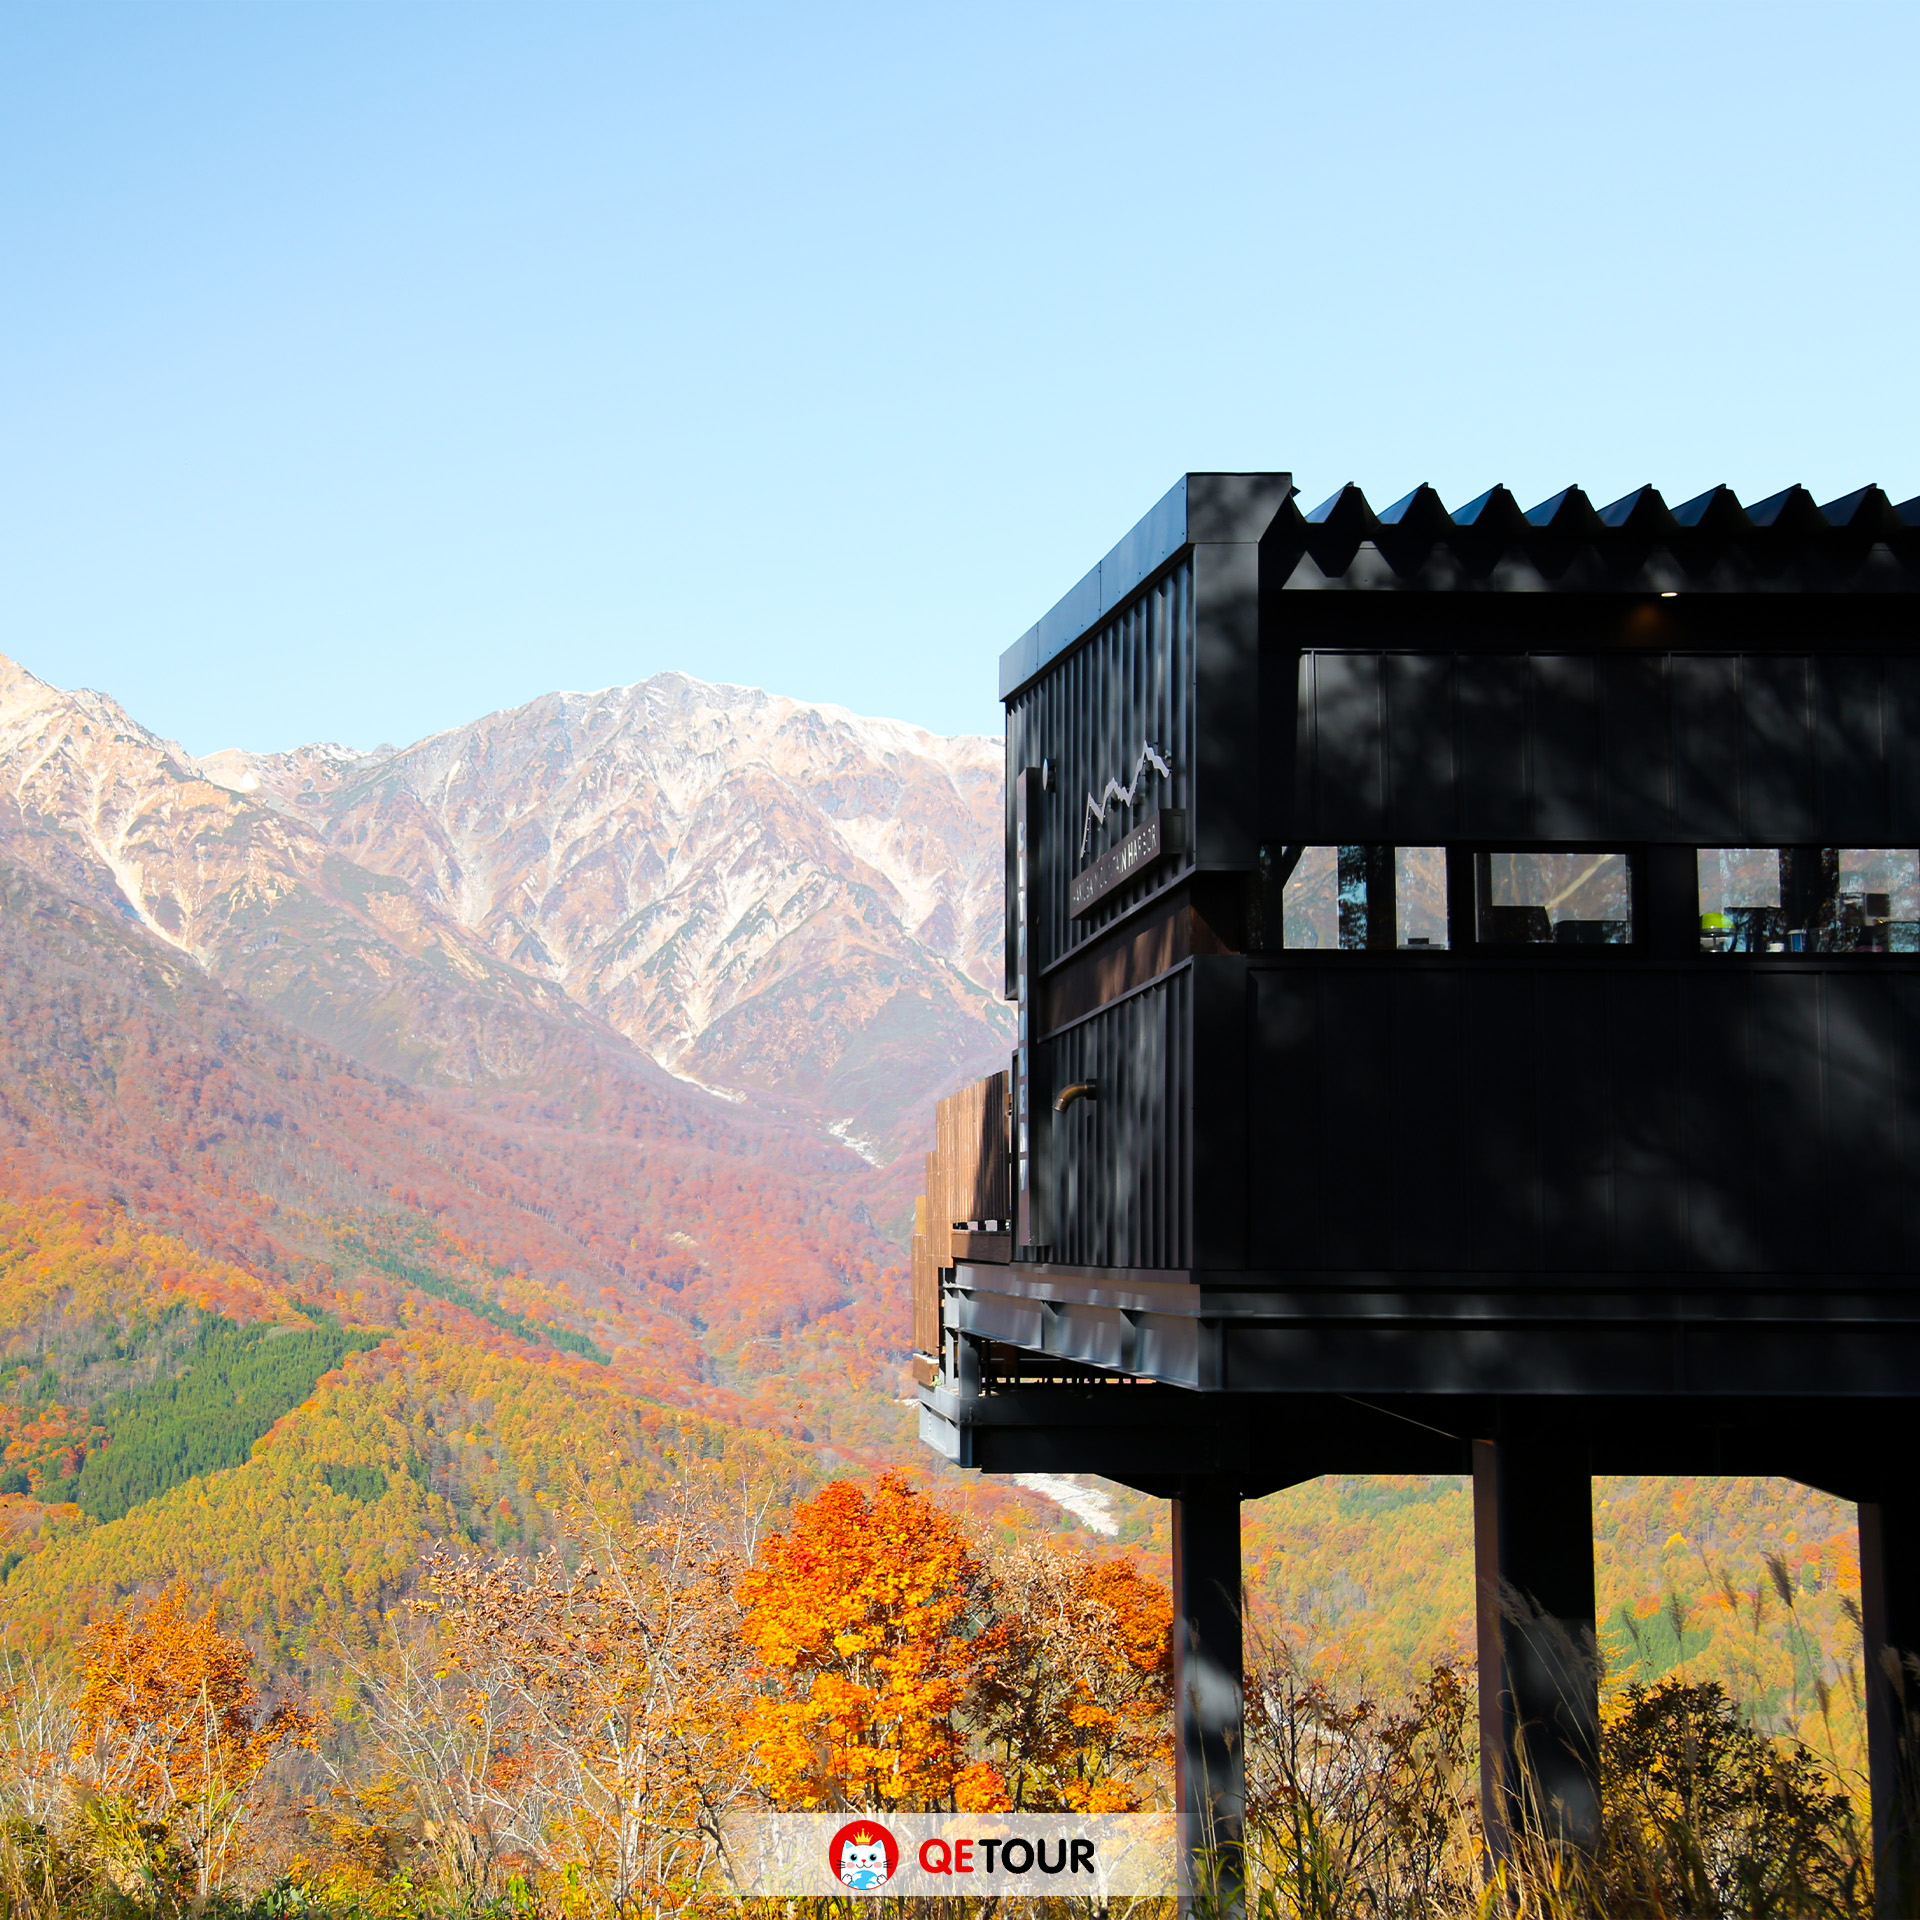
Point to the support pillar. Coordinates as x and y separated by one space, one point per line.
1890 1615
1209 1753
1539 1672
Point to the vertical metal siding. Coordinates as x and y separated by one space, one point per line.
1777 747
1849 722
1122 1162
1422 761
1564 718
1090 714
1900 730
1590 1121
1490 710
1638 790
1743 749
1706 761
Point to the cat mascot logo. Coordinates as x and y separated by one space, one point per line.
863 1855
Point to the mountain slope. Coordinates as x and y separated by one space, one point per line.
719 1256
175 1417
786 901
114 816
424 1438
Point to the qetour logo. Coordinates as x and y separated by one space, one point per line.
863 1855
980 1855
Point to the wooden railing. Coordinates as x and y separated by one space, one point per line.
968 1204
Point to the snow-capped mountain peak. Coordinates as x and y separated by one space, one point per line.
753 888
777 900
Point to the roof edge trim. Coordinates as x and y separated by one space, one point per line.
1199 508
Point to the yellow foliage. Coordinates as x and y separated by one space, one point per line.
79 1262
416 1441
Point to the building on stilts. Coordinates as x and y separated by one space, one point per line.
1468 975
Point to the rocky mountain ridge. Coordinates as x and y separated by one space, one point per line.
790 905
783 902
124 821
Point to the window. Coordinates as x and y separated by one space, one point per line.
1420 896
1345 899
1875 906
1742 899
1809 899
1315 910
1554 899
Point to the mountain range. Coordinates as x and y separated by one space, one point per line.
788 905
634 990
588 1046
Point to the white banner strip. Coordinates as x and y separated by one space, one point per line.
1094 1856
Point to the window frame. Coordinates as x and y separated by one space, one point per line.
1467 898
1823 956
1380 880
1666 912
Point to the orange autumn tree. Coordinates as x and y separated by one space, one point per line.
859 1614
170 1727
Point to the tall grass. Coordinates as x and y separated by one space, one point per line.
1358 1810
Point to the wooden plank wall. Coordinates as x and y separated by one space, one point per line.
967 1181
970 1149
926 1283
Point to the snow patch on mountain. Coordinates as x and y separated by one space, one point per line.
868 1150
787 900
1089 1505
783 902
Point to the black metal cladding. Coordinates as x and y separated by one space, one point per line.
1168 658
1545 1205
1707 672
1129 686
1733 747
1632 676
1588 1120
1122 1162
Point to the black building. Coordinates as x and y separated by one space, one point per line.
1469 982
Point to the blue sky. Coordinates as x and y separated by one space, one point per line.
367 366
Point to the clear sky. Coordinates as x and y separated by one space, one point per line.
366 365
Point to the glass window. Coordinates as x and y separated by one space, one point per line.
1420 896
1742 900
1313 912
1343 899
1809 899
1876 905
1555 899
1361 913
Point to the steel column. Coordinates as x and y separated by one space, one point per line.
1890 1614
1539 1673
1209 1756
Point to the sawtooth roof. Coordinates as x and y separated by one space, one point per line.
1784 544
1861 542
